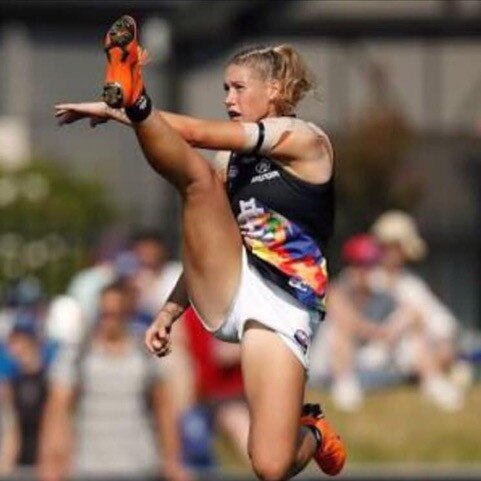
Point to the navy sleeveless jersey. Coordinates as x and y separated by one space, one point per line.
285 224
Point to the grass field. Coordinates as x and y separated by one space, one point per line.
399 426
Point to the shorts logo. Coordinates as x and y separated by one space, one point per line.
263 166
302 339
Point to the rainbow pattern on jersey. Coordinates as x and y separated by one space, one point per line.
281 243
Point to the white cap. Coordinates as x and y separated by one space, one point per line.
64 320
396 226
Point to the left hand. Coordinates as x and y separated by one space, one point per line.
97 112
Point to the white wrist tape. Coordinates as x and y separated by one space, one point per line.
262 137
253 137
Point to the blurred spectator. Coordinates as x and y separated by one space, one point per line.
23 296
86 285
23 380
146 263
378 337
9 432
64 323
157 275
358 319
104 385
154 279
219 394
432 346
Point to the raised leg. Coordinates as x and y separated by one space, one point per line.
212 246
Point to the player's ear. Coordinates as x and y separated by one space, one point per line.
273 90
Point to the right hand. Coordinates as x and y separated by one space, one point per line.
157 337
97 112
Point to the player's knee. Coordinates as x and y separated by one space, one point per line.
205 184
271 468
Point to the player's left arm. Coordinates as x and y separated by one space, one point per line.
202 133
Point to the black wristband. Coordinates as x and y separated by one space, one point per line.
141 109
260 138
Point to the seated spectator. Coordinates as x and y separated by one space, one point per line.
96 420
358 318
378 338
432 346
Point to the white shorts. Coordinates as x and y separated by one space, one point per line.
260 300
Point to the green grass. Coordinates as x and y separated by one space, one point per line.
399 426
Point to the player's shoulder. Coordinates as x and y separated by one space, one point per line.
293 123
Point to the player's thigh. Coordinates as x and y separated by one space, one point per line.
274 381
212 248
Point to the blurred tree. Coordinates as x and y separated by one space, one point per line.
48 221
372 174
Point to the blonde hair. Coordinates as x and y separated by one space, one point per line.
281 63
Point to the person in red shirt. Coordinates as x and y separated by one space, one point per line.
219 391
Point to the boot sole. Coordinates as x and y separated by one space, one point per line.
120 34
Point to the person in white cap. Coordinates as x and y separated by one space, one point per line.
430 346
357 349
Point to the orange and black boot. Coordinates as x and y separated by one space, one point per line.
330 455
124 86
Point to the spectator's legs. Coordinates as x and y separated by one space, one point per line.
232 418
346 391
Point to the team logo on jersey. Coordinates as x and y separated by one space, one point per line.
263 169
263 166
302 339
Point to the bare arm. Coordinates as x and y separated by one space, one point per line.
157 337
56 443
343 312
10 439
167 429
208 134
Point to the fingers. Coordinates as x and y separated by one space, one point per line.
65 118
94 121
157 340
65 115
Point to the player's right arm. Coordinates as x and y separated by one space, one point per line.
157 337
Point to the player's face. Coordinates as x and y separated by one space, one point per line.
248 97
